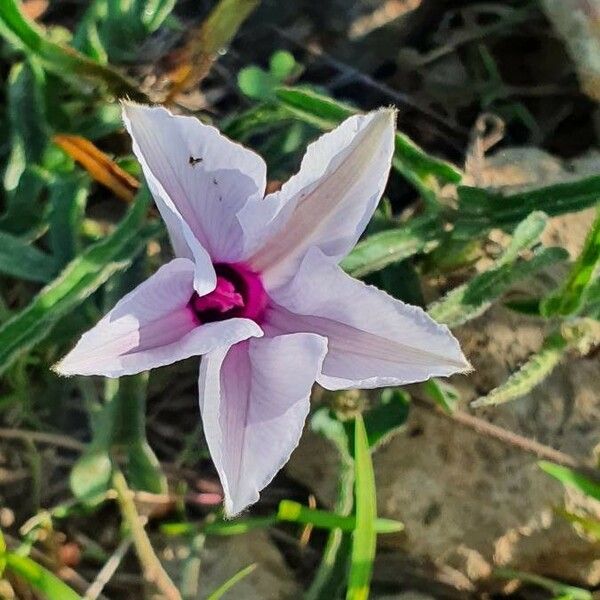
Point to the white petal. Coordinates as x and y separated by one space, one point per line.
374 340
150 327
254 398
328 203
203 176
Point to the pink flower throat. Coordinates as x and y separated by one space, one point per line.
239 293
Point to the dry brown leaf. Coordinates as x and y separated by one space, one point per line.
204 42
101 168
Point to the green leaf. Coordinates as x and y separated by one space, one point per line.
82 277
443 394
91 475
592 300
27 117
409 160
531 374
572 478
144 469
223 589
559 590
569 299
62 60
282 64
39 578
526 234
297 513
472 299
24 215
68 197
20 259
333 569
385 418
480 210
375 252
256 83
256 120
364 537
154 12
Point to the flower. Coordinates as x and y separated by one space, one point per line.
256 289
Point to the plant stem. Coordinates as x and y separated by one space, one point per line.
152 568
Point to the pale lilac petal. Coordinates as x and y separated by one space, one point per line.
254 399
150 327
328 203
374 340
198 174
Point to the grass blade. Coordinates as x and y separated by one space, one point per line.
297 513
570 297
20 259
223 589
560 591
572 478
332 571
40 578
364 537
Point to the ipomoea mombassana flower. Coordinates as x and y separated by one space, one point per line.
256 289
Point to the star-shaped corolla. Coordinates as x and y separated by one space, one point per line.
256 289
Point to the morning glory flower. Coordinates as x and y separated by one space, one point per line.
257 291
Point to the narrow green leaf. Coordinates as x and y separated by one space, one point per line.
40 578
443 394
27 117
531 374
480 210
409 159
559 590
223 589
68 196
376 251
20 259
297 513
364 537
83 276
592 300
382 420
570 297
332 572
237 527
526 234
572 478
62 60
473 298
154 12
259 119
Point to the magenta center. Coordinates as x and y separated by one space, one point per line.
239 293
